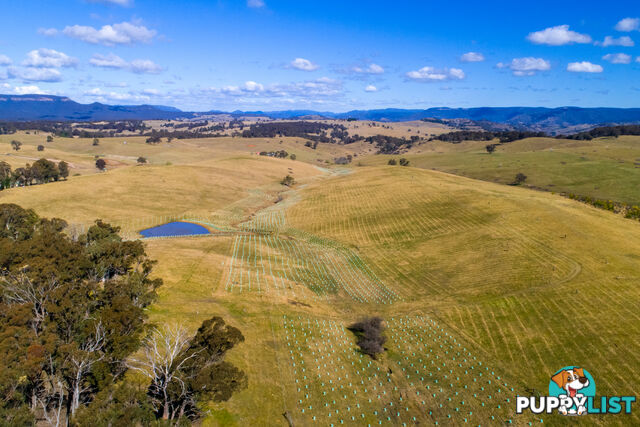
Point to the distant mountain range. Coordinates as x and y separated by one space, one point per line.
553 120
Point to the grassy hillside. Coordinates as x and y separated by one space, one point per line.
486 289
604 168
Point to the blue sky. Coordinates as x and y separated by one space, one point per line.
327 56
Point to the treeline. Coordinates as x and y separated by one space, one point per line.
600 132
281 154
40 172
391 144
629 211
73 312
314 131
68 130
502 136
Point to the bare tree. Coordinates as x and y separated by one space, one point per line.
164 356
81 361
20 289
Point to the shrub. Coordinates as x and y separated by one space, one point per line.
288 181
101 164
520 178
370 338
40 147
404 162
392 162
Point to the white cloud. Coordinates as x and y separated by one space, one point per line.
101 95
371 69
140 66
28 90
303 64
618 58
558 36
36 74
48 32
256 4
527 66
48 58
371 88
430 74
145 66
108 61
5 60
472 57
301 91
124 3
612 41
628 24
111 35
584 67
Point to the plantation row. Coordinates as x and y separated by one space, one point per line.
426 376
266 263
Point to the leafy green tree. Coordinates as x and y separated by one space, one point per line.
72 310
16 145
101 164
184 370
490 148
520 179
292 157
5 175
49 138
63 169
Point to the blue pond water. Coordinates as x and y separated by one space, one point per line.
172 229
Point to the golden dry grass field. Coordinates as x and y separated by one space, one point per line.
486 289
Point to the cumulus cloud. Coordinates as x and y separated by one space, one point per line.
310 90
371 88
303 65
48 32
5 60
558 36
431 74
618 58
527 66
35 74
140 66
628 24
110 35
612 41
370 69
48 58
101 95
584 67
255 4
28 90
472 57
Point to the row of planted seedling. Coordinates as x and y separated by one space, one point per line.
425 376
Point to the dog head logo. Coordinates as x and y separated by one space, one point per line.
573 385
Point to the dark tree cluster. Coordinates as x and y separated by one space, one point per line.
281 154
312 145
600 132
502 136
314 131
72 315
345 160
40 172
391 144
369 334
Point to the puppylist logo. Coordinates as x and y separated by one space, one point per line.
572 391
